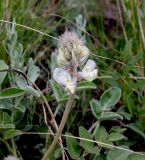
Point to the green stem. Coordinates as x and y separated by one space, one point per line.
8 146
61 127
14 147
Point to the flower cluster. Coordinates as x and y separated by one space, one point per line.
73 54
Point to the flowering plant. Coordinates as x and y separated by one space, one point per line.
73 54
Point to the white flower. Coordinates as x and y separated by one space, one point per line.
11 158
89 72
64 78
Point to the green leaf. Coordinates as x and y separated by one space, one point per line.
6 104
101 137
117 129
110 97
118 154
86 85
56 90
115 137
22 83
5 120
73 147
10 133
32 91
110 116
11 93
96 108
136 157
87 145
136 129
101 134
57 153
33 73
3 65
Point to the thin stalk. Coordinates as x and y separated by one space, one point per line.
61 126
14 147
8 146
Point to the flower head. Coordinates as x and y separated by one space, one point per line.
72 51
73 54
11 158
89 72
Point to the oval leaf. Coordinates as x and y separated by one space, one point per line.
73 147
11 93
110 116
3 65
115 137
87 145
110 97
10 133
86 85
96 108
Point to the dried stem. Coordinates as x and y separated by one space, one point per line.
61 126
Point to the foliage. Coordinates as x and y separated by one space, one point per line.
107 118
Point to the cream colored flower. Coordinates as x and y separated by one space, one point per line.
11 158
64 78
72 51
89 72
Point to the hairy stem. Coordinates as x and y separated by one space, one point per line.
61 127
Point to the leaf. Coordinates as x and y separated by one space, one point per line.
33 73
32 91
110 116
117 154
136 129
110 97
86 85
6 104
11 93
101 134
5 120
3 65
136 157
96 108
115 137
22 83
73 147
20 108
117 129
87 145
56 90
10 133
57 153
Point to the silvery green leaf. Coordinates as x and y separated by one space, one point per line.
33 73
3 65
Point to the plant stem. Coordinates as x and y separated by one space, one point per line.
61 127
8 146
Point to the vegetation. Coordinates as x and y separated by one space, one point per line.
106 118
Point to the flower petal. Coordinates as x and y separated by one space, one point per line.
89 66
61 76
89 76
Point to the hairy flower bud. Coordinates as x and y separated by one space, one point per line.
72 51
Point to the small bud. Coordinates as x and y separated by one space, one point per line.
72 51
